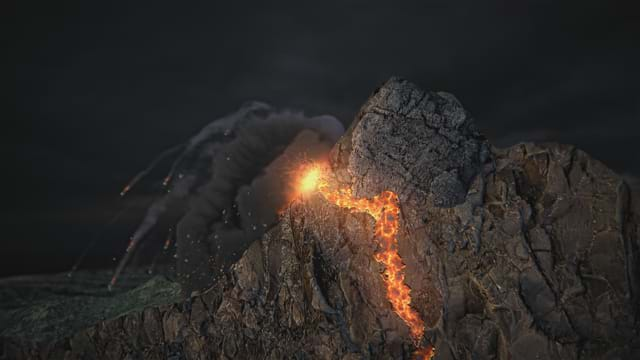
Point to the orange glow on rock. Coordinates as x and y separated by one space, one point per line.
426 353
385 209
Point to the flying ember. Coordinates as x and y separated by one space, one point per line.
385 209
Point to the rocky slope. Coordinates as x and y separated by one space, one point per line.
529 252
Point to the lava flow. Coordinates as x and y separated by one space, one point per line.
385 209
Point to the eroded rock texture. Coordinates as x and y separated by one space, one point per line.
529 252
421 145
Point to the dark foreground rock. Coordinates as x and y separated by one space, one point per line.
529 252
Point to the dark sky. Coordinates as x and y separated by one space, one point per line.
102 87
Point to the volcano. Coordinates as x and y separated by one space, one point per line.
416 235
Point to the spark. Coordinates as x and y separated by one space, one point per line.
166 180
150 167
165 248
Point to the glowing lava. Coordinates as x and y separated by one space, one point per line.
426 353
385 210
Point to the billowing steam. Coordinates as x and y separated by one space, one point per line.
227 183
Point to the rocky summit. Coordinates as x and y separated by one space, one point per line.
529 252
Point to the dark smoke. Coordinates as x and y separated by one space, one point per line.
228 183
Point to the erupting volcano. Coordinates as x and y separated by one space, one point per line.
524 253
385 209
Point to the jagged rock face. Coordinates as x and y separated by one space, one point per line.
525 253
420 145
554 271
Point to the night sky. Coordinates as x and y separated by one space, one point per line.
100 88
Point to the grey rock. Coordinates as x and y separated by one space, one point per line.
415 143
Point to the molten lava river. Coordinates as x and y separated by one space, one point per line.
385 210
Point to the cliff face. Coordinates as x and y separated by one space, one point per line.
529 252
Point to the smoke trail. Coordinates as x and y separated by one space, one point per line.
162 253
180 189
94 239
150 167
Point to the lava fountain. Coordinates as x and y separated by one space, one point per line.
385 209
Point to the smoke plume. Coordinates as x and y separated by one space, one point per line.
228 183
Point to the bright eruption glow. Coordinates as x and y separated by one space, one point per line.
385 209
309 180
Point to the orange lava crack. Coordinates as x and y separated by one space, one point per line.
385 209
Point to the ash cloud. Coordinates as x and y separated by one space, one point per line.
227 184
